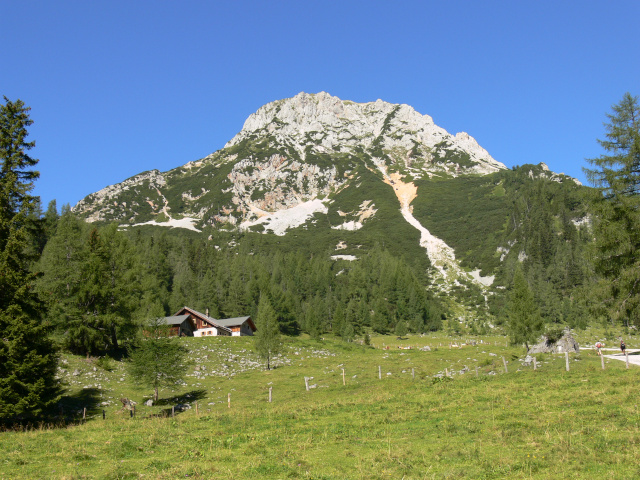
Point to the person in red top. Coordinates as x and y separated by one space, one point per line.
622 346
599 345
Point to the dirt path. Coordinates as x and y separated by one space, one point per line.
634 355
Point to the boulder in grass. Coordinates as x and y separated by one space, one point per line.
550 343
127 404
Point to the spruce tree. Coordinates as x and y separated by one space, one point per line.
616 211
267 338
91 283
158 359
28 360
62 265
524 322
401 328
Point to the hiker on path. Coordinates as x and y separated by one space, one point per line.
599 346
622 346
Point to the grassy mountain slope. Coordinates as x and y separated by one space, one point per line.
576 424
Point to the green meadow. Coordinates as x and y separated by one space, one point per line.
415 422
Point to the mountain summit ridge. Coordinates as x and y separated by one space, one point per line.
290 152
331 122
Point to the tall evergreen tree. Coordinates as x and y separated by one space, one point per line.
616 209
62 264
267 339
158 360
523 316
28 360
91 282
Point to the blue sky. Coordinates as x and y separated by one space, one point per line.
120 87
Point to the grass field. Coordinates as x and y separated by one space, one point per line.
548 423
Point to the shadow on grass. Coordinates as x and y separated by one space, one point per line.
189 397
73 405
180 402
68 412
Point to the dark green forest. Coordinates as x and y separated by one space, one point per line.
99 284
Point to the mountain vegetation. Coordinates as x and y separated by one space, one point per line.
321 217
157 359
311 294
28 357
615 204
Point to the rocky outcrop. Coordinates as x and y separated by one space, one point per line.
329 124
277 183
566 343
106 204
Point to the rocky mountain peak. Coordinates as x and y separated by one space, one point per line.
327 123
314 165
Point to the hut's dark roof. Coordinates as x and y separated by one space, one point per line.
232 322
175 320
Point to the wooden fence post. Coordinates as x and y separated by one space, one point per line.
270 394
229 400
535 366
196 408
627 355
505 365
566 358
413 374
173 411
379 372
446 372
602 360
84 414
306 383
343 380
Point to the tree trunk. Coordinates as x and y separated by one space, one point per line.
114 337
155 395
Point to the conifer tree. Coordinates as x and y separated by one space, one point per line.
63 263
28 360
267 339
524 322
158 359
91 284
616 209
401 328
380 320
338 320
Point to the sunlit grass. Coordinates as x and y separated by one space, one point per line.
547 423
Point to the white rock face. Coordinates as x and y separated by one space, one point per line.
284 184
367 211
349 258
108 194
186 223
279 222
329 123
